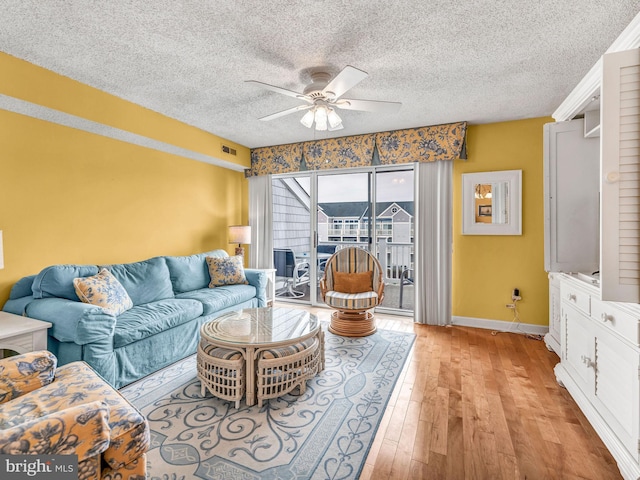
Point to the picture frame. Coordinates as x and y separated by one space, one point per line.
484 210
506 190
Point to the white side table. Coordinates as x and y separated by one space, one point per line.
22 334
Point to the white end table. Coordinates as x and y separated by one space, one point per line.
22 334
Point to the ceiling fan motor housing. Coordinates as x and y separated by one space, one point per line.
319 81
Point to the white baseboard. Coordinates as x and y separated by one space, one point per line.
499 325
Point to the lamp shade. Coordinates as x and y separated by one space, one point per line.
240 234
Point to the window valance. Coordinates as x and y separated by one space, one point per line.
343 152
276 159
423 144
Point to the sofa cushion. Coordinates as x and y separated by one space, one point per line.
226 271
57 281
216 299
191 272
146 281
103 290
142 321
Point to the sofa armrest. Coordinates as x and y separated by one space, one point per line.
24 373
82 430
258 278
19 296
22 288
77 322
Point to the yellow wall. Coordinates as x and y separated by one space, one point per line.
68 196
487 268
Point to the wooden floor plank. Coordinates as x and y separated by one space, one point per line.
469 404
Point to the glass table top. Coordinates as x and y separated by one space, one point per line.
255 326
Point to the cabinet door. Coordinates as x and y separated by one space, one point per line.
620 180
578 347
617 387
571 196
552 339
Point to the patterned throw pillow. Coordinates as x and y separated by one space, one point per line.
103 290
226 271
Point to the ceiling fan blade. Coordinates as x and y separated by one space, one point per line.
368 105
348 78
281 90
286 112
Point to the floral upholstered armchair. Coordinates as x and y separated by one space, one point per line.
70 410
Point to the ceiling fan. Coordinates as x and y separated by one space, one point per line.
324 94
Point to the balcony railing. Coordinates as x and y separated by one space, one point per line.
358 232
394 257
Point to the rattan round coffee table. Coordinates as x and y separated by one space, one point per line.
280 349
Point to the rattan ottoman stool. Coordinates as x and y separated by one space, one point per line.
280 370
221 371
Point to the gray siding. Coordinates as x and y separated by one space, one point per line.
291 220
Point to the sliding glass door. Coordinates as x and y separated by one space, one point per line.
318 213
292 237
343 215
394 233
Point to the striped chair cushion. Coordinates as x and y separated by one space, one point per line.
222 353
289 350
351 301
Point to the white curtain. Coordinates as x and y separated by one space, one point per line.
261 219
433 245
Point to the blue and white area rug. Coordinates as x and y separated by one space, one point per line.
324 434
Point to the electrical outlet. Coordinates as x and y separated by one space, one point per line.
510 305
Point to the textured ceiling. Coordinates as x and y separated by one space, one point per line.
478 61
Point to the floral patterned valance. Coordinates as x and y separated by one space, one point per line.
277 159
343 152
424 144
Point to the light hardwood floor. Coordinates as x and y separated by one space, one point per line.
472 405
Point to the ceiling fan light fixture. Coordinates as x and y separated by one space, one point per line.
307 119
335 122
321 118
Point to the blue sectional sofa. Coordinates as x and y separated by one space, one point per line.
171 300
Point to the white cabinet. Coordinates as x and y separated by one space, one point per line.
599 337
582 172
600 367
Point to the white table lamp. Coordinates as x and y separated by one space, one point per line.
240 234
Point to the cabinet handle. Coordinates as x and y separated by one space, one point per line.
587 361
607 318
571 297
612 177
